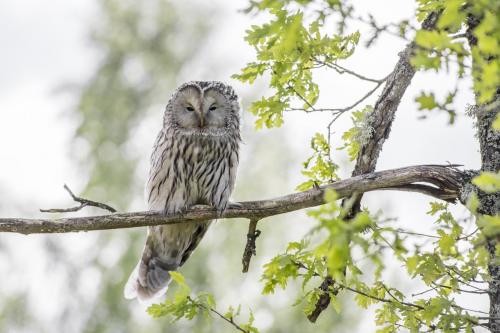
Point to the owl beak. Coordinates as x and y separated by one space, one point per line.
202 121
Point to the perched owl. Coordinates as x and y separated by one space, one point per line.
194 161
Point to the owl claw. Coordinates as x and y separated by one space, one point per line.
198 206
178 211
234 205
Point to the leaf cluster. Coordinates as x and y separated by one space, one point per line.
452 260
183 305
319 168
448 42
288 49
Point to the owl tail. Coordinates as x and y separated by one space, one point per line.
148 282
151 277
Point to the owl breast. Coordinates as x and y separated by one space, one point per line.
191 170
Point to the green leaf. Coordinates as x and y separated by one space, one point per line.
496 123
446 243
490 225
178 278
437 207
452 16
335 303
359 134
433 39
319 168
411 264
488 182
426 101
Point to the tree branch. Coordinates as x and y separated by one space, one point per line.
230 320
446 182
250 247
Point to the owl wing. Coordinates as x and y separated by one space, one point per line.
224 187
150 278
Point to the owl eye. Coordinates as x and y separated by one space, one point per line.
212 108
189 108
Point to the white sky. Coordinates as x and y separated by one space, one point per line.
45 46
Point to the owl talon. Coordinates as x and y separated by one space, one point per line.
165 212
219 213
198 206
178 211
234 205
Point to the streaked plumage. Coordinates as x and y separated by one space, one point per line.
194 161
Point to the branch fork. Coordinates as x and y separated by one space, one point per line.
83 203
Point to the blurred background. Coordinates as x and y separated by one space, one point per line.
83 86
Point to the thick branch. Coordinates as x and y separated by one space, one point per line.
443 182
380 120
489 143
385 108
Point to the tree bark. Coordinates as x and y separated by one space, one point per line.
443 182
489 204
385 108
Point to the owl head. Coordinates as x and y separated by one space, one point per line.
203 108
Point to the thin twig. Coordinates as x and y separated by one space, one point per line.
424 292
291 109
402 231
462 281
466 237
389 292
461 290
250 247
229 320
458 35
384 28
83 203
341 111
337 111
368 94
384 300
342 70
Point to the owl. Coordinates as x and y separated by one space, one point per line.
194 161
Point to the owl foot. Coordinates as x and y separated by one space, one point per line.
177 211
229 205
219 213
234 205
198 206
